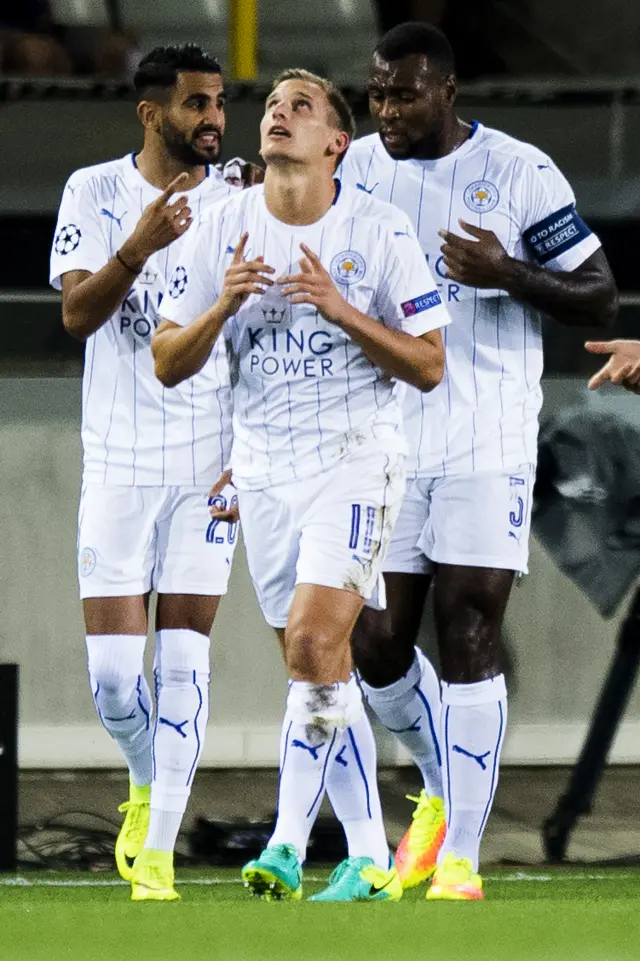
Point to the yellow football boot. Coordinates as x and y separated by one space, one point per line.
417 853
455 880
133 832
153 877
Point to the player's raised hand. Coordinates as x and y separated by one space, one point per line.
623 366
243 278
162 222
313 285
231 513
476 263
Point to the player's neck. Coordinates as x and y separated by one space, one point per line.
159 169
298 196
453 134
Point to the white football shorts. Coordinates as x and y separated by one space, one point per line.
135 539
332 530
471 520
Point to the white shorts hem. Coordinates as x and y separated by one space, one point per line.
129 590
277 623
422 566
113 590
327 582
201 590
281 622
467 560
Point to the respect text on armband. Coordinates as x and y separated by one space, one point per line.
557 234
289 354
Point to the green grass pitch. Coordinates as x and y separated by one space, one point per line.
532 915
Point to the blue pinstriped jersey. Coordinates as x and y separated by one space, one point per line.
134 431
304 392
484 415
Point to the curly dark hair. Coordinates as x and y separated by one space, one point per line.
407 39
159 69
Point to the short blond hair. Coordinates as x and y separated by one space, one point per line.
344 117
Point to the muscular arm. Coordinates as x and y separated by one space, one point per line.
418 361
88 300
180 352
584 297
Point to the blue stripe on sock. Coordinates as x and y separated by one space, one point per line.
140 704
284 761
156 691
446 747
361 768
195 726
320 793
427 708
493 773
95 701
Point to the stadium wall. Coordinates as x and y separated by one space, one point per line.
559 646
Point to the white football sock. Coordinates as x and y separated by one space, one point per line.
474 720
352 786
163 830
311 730
410 709
122 697
182 692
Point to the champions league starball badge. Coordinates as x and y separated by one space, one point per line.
178 282
67 239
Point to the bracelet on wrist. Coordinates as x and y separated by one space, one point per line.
132 270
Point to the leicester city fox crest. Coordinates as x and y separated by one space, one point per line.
347 268
481 196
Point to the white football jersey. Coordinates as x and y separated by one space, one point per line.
304 392
484 414
134 431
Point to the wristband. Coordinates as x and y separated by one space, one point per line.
131 270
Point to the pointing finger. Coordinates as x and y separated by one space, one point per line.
455 240
252 266
178 183
238 253
473 230
601 346
600 378
315 260
223 481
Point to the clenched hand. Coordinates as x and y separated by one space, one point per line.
475 263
